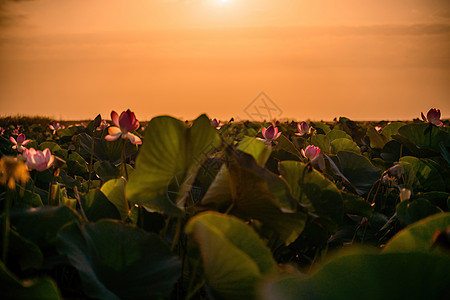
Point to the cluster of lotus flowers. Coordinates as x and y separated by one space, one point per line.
271 133
126 123
35 159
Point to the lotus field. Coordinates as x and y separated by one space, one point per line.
225 210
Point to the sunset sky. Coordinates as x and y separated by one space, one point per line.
315 59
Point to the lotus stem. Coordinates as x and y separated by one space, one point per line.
196 289
376 191
6 226
193 275
34 183
301 184
164 230
229 207
124 160
176 238
371 189
50 189
77 196
91 161
431 131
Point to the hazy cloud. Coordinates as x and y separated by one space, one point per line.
7 18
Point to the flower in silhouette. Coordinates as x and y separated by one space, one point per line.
433 117
56 126
216 123
303 128
38 160
103 125
17 130
20 143
311 152
125 124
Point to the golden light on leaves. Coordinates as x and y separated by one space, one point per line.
13 170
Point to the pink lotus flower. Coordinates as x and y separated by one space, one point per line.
433 117
125 124
270 134
311 152
56 126
216 123
38 160
21 141
303 128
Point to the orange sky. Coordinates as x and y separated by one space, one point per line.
315 59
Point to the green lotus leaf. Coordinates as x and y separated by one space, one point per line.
322 142
24 253
96 206
104 150
114 190
354 204
105 170
358 170
117 261
283 143
338 134
234 257
12 288
368 276
377 140
392 129
256 148
325 128
444 146
259 194
312 189
424 135
344 144
40 225
168 162
422 175
409 212
418 237
50 145
218 195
